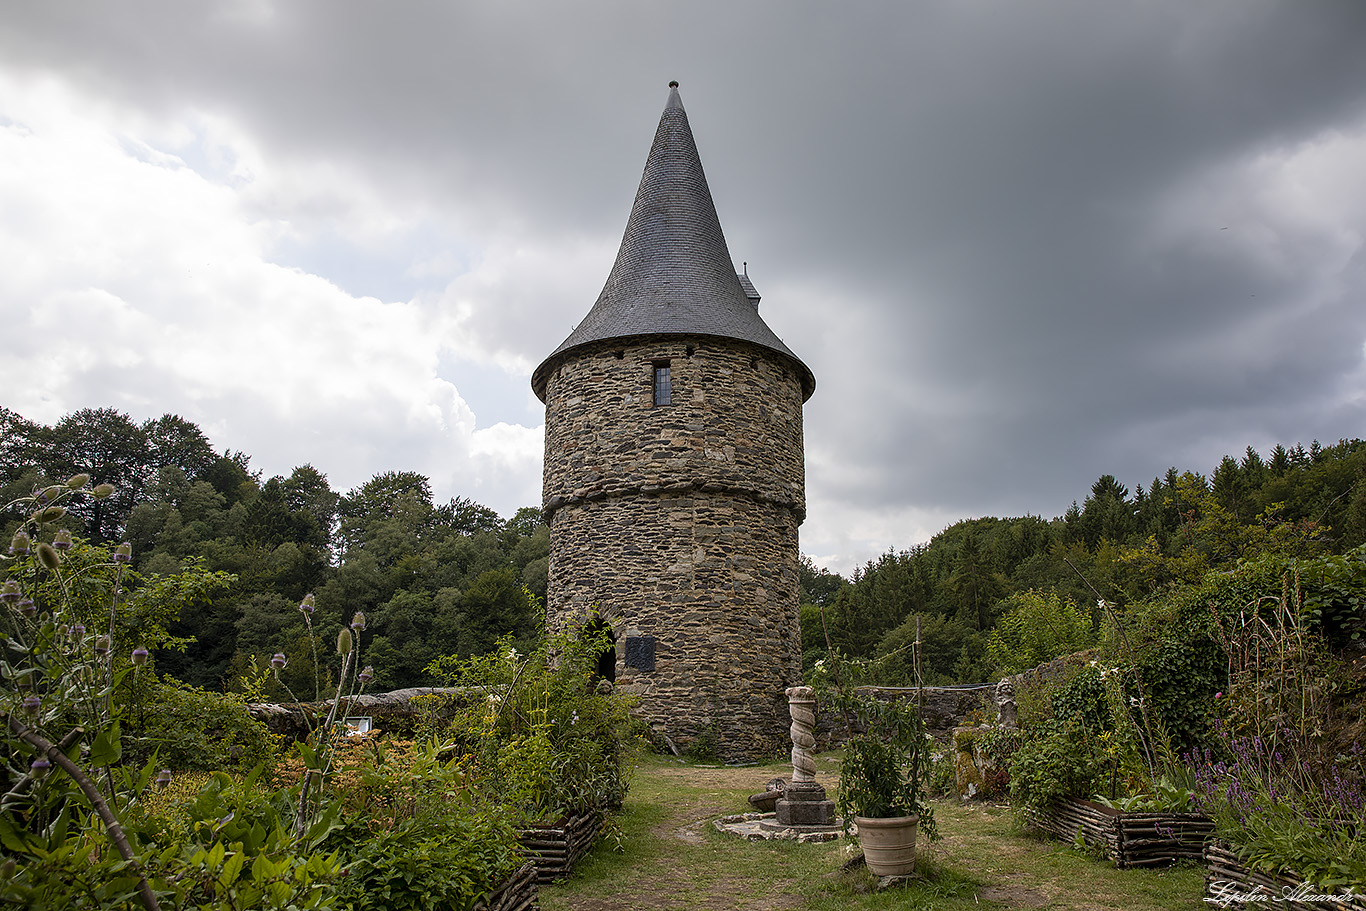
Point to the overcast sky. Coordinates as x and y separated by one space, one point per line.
1020 244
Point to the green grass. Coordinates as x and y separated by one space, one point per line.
664 853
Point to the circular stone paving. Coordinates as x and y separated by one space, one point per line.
764 827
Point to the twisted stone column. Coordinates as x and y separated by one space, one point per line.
801 705
804 804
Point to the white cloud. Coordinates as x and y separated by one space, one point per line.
141 283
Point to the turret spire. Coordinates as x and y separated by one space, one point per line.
673 273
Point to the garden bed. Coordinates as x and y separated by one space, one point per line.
1139 839
554 849
517 893
1230 884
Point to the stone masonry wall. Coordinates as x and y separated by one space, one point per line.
679 523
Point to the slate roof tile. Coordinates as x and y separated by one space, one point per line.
673 273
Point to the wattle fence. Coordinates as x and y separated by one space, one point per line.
1139 839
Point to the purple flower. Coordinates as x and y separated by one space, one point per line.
307 606
163 778
123 553
62 540
39 767
140 656
11 592
278 661
32 704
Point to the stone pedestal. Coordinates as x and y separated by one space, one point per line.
804 804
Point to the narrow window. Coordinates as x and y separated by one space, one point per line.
663 385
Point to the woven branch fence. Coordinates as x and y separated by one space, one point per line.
517 893
1230 884
554 849
1139 839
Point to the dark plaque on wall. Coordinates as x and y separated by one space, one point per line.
640 652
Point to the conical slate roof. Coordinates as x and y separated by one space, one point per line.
673 274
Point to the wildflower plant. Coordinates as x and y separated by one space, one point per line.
1283 780
74 822
1285 817
319 752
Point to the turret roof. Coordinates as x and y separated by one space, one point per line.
673 274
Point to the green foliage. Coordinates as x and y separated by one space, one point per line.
1057 761
74 817
1172 792
537 730
413 833
890 759
445 856
192 729
1036 628
1333 595
1283 779
1066 739
943 642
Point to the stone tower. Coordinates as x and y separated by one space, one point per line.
674 473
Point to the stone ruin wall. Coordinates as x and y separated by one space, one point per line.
680 523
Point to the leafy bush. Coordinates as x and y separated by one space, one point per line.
74 816
416 833
1077 736
1286 817
1057 762
539 731
443 857
1036 628
191 729
1284 779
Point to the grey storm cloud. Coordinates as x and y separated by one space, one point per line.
1020 245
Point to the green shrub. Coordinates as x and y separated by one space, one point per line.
447 855
1036 628
195 730
416 833
1055 763
539 732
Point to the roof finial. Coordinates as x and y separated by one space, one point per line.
674 84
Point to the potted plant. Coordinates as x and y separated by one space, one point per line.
882 779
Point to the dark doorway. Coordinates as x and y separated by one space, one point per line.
607 658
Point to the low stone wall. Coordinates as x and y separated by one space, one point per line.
946 707
396 712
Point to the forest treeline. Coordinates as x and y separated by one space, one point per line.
432 579
1120 546
451 578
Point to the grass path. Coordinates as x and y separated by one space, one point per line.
666 855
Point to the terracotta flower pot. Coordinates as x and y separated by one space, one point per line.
888 843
